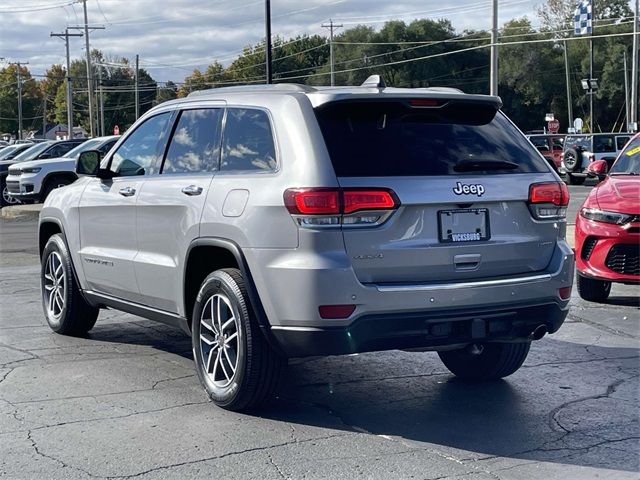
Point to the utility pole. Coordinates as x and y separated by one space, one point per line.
494 50
101 101
86 27
591 90
44 116
66 36
331 26
267 20
569 101
634 70
19 78
137 87
627 105
89 75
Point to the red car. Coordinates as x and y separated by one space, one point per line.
608 227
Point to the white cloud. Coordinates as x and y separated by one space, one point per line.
186 34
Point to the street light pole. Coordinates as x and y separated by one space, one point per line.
634 70
494 50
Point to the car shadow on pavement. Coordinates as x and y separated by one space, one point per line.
547 411
624 301
144 333
571 403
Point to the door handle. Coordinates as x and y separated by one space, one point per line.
192 190
127 191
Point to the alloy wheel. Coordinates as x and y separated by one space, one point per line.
8 199
219 341
55 285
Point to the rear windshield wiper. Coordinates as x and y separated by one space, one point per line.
473 165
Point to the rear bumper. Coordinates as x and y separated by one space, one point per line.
428 329
293 284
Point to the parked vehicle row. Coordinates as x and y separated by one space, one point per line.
42 150
35 179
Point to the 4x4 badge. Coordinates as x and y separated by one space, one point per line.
463 189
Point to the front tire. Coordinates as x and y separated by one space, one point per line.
593 290
235 364
6 198
488 361
65 309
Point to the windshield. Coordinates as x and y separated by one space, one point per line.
88 145
33 152
6 152
629 161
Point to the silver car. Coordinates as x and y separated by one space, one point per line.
287 221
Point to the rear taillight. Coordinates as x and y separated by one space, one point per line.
548 201
325 207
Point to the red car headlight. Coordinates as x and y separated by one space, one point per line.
606 217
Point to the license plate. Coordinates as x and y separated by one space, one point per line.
468 225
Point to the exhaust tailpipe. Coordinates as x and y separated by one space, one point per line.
538 333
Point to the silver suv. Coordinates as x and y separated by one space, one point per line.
283 221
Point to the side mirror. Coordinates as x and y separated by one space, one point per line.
598 169
88 163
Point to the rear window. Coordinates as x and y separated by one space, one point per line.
373 139
583 142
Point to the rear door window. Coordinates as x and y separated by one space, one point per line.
393 139
621 142
247 141
195 144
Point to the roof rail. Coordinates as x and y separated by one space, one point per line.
274 87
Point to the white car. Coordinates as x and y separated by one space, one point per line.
34 180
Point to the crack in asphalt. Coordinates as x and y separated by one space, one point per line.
570 362
275 465
599 326
37 450
611 388
153 387
224 455
104 419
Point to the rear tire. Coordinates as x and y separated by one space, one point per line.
496 360
65 309
593 290
236 366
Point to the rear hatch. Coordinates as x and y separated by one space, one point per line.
462 174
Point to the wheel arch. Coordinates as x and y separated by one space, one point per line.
46 229
206 255
55 174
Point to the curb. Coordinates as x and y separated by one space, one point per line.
21 213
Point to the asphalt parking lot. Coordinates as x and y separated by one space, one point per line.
124 402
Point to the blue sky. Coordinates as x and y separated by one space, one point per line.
173 37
